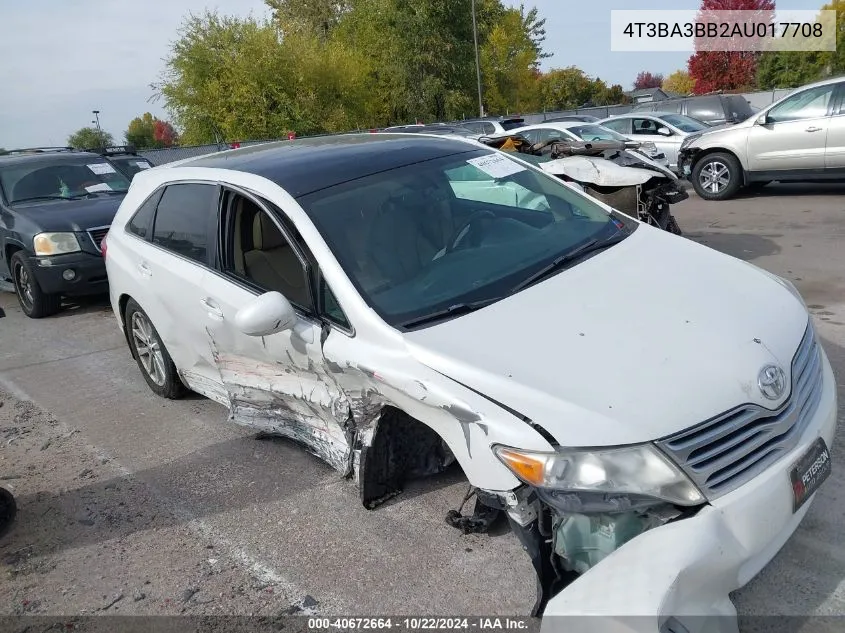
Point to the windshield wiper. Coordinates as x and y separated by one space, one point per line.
50 198
450 312
568 258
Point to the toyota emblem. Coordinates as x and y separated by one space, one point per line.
772 382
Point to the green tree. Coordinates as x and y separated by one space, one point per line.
140 131
510 62
230 79
566 88
679 82
317 17
90 137
789 69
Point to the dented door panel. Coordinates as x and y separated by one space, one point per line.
278 384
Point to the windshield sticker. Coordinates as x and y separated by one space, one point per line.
142 164
496 165
101 168
100 187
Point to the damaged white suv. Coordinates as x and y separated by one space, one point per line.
652 416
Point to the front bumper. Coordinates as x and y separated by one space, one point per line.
683 572
89 274
684 167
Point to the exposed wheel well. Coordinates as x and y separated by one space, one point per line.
401 448
11 249
122 301
719 150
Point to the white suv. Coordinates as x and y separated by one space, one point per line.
396 303
799 138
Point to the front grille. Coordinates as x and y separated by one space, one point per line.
97 234
723 453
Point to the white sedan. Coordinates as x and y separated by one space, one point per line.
581 131
397 303
666 130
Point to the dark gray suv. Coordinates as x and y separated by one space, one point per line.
711 109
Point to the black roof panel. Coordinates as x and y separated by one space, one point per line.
307 165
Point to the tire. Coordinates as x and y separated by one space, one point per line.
34 302
717 176
154 361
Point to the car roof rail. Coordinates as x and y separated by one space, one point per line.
112 149
36 150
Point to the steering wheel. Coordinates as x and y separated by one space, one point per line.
467 228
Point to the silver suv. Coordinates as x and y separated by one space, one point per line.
800 137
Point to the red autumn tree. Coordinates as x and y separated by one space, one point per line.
713 70
647 80
164 133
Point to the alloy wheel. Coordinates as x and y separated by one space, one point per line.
148 348
714 177
23 285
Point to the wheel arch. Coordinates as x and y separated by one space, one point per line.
397 447
720 150
122 303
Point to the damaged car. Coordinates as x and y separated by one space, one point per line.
609 170
398 303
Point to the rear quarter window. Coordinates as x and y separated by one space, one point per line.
142 221
182 220
705 109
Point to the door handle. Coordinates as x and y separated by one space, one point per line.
145 270
212 308
813 129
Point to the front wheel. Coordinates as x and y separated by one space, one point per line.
717 176
35 303
153 359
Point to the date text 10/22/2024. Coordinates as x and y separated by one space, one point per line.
404 623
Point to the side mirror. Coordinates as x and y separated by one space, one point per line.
763 119
664 131
265 315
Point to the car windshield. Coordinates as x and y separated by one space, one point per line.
60 178
684 123
596 133
512 124
467 228
130 165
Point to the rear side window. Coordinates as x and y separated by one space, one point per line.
142 221
623 126
739 107
706 109
671 105
182 220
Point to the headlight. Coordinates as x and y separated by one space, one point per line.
55 243
688 140
641 469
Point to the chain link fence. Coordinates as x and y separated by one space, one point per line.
171 154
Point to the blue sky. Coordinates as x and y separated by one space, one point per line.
62 59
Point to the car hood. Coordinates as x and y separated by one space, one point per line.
71 215
643 340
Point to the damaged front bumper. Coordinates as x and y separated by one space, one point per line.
677 577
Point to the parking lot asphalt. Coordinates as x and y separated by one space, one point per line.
123 493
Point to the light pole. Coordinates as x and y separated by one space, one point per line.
97 117
477 64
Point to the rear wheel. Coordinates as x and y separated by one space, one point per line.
153 359
717 176
35 303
